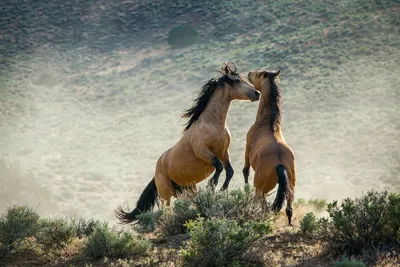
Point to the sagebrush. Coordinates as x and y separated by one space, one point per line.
18 223
56 232
370 222
220 242
104 242
346 262
236 204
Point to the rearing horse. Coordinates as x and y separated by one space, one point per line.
203 147
266 150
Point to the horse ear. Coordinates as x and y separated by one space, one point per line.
227 70
277 73
233 67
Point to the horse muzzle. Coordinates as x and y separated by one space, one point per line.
256 96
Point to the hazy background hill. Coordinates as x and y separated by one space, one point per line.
91 93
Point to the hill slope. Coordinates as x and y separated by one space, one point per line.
91 93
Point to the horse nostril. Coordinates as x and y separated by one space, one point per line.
257 93
248 75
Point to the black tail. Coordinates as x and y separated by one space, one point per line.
146 202
282 189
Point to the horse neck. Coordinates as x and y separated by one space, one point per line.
217 109
264 112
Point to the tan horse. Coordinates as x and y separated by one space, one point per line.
203 147
266 150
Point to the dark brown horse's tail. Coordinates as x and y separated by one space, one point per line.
146 202
282 188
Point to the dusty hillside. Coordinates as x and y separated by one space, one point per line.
91 94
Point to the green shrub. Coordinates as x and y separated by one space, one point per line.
85 227
56 233
345 262
18 223
308 224
236 204
105 243
311 225
173 222
27 246
220 242
323 227
358 224
258 228
147 222
181 36
392 219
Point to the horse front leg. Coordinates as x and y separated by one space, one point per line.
246 168
213 182
206 155
229 171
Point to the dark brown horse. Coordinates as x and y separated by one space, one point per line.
266 150
204 146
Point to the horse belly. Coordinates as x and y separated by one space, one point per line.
189 170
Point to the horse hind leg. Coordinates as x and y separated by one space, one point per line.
165 189
229 174
290 198
289 208
263 183
189 191
289 213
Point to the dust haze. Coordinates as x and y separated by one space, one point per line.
83 148
71 156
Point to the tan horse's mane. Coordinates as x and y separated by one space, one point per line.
275 100
227 75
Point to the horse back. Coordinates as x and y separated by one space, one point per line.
268 148
286 153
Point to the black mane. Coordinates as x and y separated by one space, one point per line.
275 102
229 76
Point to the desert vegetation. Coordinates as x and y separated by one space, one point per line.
228 228
91 93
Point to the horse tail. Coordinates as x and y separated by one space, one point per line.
282 188
146 202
